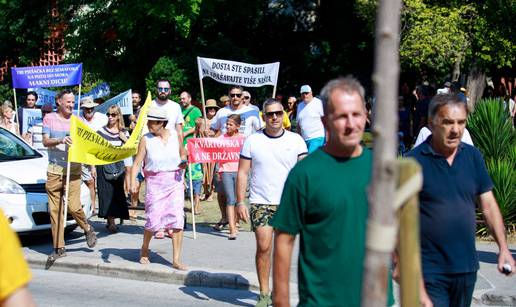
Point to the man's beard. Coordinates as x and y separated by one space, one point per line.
163 96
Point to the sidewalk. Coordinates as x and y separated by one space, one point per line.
212 260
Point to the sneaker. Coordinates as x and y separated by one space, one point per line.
91 237
264 300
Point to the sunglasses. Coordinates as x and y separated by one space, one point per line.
235 95
112 114
247 97
277 113
163 89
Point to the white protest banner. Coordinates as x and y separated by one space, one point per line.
123 100
30 117
238 73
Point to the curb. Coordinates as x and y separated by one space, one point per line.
195 277
499 299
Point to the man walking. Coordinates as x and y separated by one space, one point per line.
325 201
190 114
454 179
174 115
249 116
56 127
268 155
309 124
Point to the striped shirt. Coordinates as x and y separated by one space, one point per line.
57 127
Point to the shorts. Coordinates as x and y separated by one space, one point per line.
229 187
86 173
140 177
313 144
261 214
196 185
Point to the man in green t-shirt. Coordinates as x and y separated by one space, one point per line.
190 114
325 201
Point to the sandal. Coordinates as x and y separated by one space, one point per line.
144 259
232 236
160 234
179 266
220 226
56 254
169 233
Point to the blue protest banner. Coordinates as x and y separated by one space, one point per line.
101 90
44 96
124 101
30 117
47 76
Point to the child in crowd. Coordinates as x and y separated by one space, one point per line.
197 178
228 172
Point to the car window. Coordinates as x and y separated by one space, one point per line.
13 148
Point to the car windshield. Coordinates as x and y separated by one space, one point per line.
13 148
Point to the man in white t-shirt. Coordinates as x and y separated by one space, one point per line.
174 113
268 156
250 116
309 124
94 120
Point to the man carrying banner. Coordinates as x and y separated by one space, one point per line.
136 98
190 114
268 155
309 124
94 120
56 127
250 117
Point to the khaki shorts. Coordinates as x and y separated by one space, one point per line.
261 214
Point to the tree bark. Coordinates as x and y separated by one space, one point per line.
476 85
456 69
381 190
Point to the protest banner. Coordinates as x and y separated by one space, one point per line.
207 150
99 91
238 73
44 96
47 96
30 117
91 148
123 100
47 76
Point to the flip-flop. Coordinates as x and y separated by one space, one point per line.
220 226
160 234
232 237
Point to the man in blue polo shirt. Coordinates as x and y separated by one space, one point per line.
454 178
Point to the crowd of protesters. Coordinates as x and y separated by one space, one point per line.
312 198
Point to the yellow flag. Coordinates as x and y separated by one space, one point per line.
91 148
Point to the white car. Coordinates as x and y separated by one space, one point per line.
23 198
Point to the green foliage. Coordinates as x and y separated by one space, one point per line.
491 129
493 134
167 68
6 93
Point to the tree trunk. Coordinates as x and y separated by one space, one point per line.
476 85
456 69
381 191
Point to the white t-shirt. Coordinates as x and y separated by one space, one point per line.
162 157
424 133
250 119
174 113
309 119
37 137
98 121
272 158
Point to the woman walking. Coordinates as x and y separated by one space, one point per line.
164 158
111 178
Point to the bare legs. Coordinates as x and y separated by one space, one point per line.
263 256
177 243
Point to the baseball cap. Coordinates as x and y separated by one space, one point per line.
305 89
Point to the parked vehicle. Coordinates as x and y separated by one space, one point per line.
23 197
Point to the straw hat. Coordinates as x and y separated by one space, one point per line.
87 102
212 103
157 114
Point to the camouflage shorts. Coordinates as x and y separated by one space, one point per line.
261 215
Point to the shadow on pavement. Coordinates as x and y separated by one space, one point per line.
491 257
132 255
206 294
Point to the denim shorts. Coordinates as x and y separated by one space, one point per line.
197 186
229 187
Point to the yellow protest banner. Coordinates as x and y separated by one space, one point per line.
90 148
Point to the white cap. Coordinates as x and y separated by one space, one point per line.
305 89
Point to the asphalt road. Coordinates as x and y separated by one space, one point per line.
57 289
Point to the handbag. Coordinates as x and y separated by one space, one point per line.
114 170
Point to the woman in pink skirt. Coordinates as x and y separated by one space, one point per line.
163 163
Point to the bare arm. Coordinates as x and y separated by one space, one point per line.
494 221
179 130
142 151
20 297
52 142
189 132
283 245
244 165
